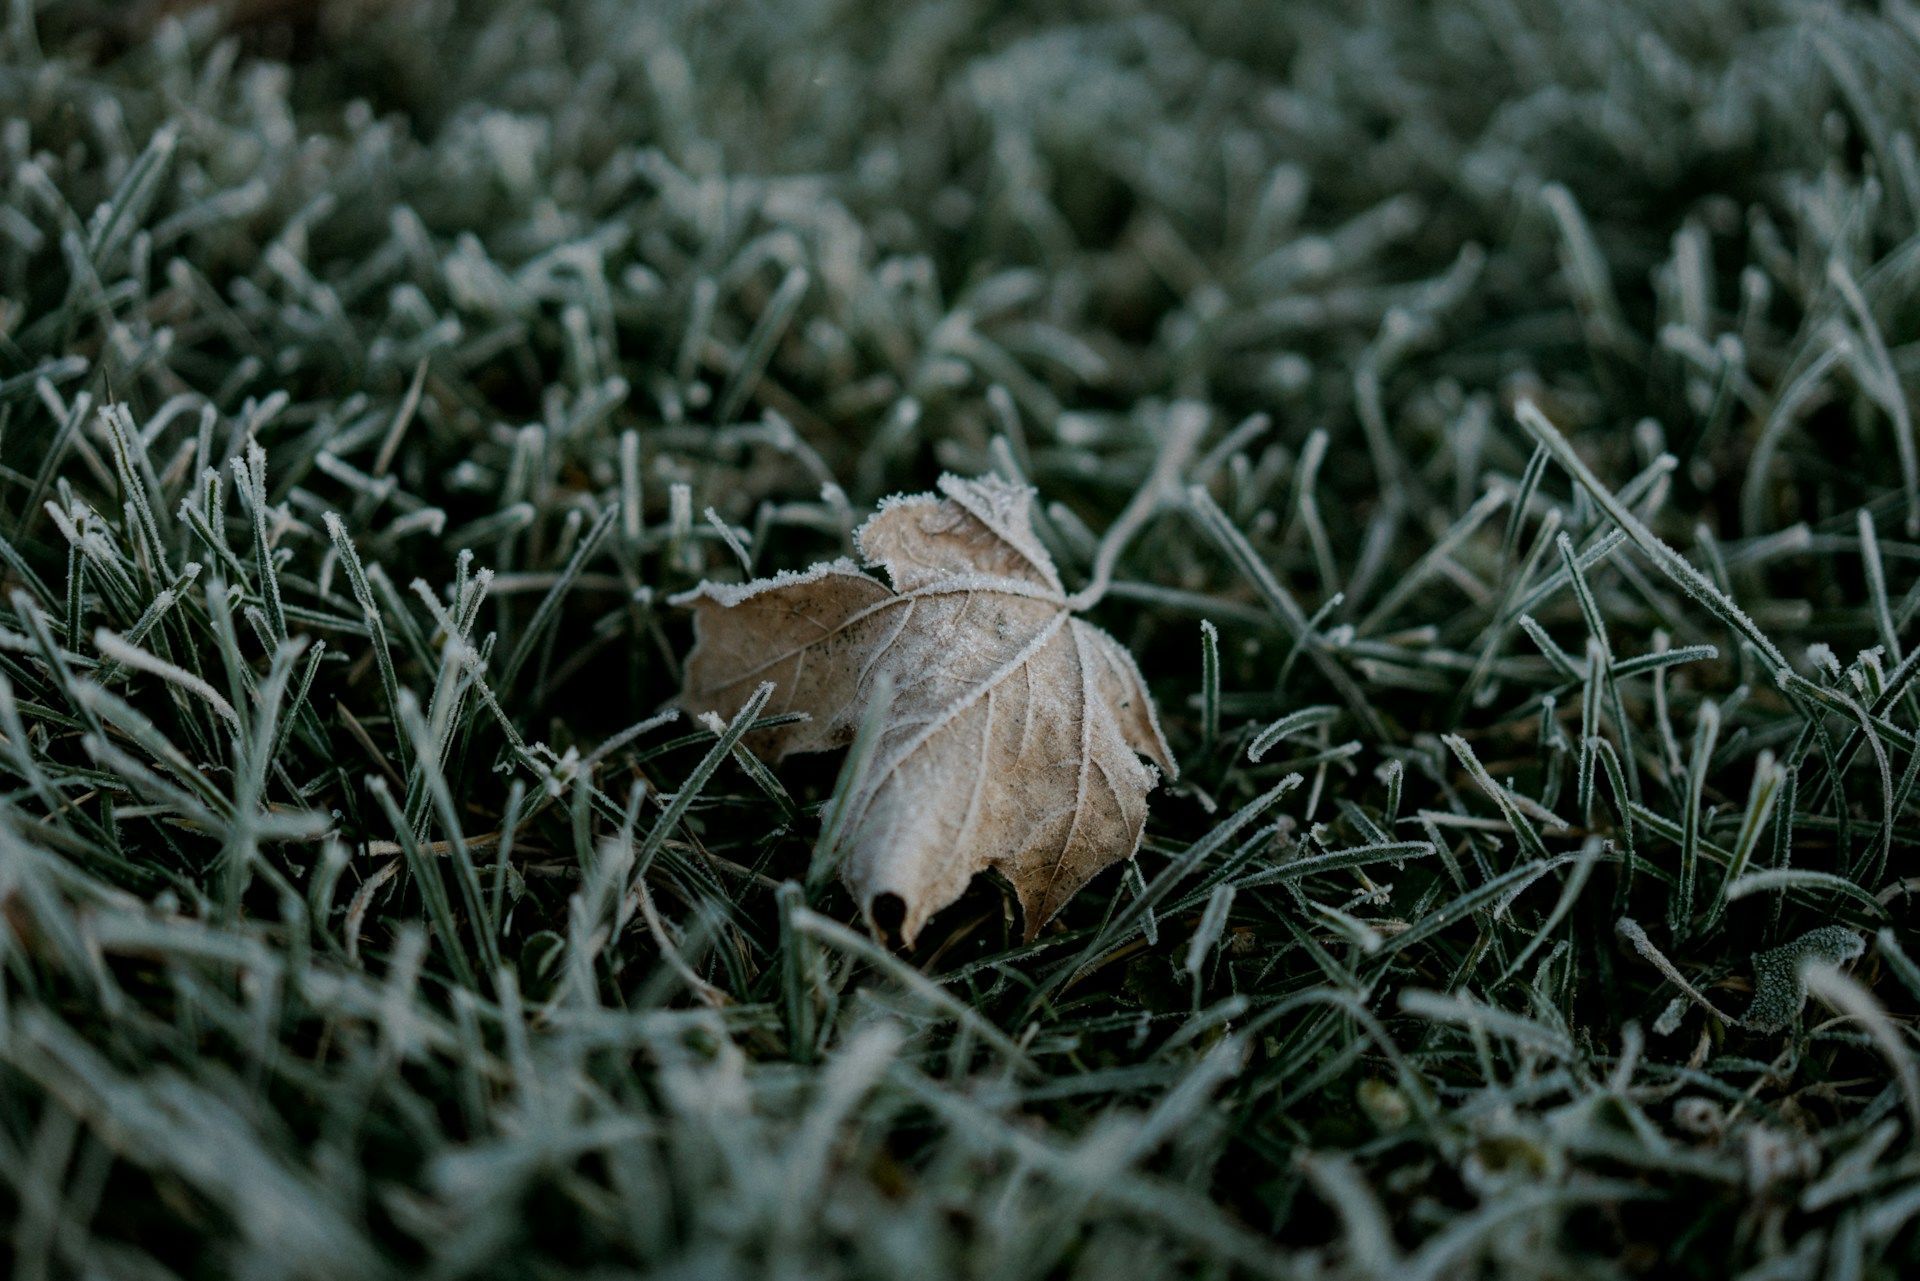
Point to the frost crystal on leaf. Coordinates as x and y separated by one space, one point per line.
1014 732
1779 974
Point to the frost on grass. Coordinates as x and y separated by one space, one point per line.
372 374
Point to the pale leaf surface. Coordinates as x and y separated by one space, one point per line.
1015 731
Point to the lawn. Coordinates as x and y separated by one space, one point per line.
1509 402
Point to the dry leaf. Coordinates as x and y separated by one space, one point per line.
1013 732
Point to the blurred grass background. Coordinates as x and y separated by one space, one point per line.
1535 634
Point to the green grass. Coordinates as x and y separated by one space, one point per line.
1534 626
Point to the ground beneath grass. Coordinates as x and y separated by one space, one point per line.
1534 626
